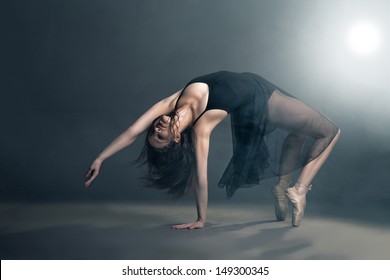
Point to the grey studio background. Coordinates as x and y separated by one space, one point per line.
75 74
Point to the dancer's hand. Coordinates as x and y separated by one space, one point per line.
194 225
92 172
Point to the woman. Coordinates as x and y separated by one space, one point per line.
273 134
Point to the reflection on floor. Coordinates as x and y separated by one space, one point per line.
142 231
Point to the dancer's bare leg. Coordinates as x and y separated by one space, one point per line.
297 194
310 170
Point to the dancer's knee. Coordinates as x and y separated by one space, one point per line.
336 137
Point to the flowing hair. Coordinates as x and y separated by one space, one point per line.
172 168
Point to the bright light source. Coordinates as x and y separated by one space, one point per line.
364 38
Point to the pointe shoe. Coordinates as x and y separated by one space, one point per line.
297 196
280 200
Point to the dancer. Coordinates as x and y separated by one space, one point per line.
273 134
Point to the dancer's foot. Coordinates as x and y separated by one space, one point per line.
280 200
297 196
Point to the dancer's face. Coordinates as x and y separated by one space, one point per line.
162 133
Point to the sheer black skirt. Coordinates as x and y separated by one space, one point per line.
273 134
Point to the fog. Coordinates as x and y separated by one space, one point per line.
75 74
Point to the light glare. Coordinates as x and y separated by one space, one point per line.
364 38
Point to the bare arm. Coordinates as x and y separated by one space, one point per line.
131 133
201 186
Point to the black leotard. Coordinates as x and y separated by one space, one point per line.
227 90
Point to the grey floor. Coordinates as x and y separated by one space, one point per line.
142 231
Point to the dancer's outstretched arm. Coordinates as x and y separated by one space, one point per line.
165 106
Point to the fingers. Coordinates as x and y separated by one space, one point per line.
189 226
92 172
88 173
86 184
182 226
92 178
91 175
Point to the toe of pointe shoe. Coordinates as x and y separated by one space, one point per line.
298 212
280 203
280 211
298 207
296 223
280 216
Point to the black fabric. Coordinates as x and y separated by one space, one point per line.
273 132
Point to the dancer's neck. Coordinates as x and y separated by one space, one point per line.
186 117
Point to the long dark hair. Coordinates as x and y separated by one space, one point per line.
172 168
